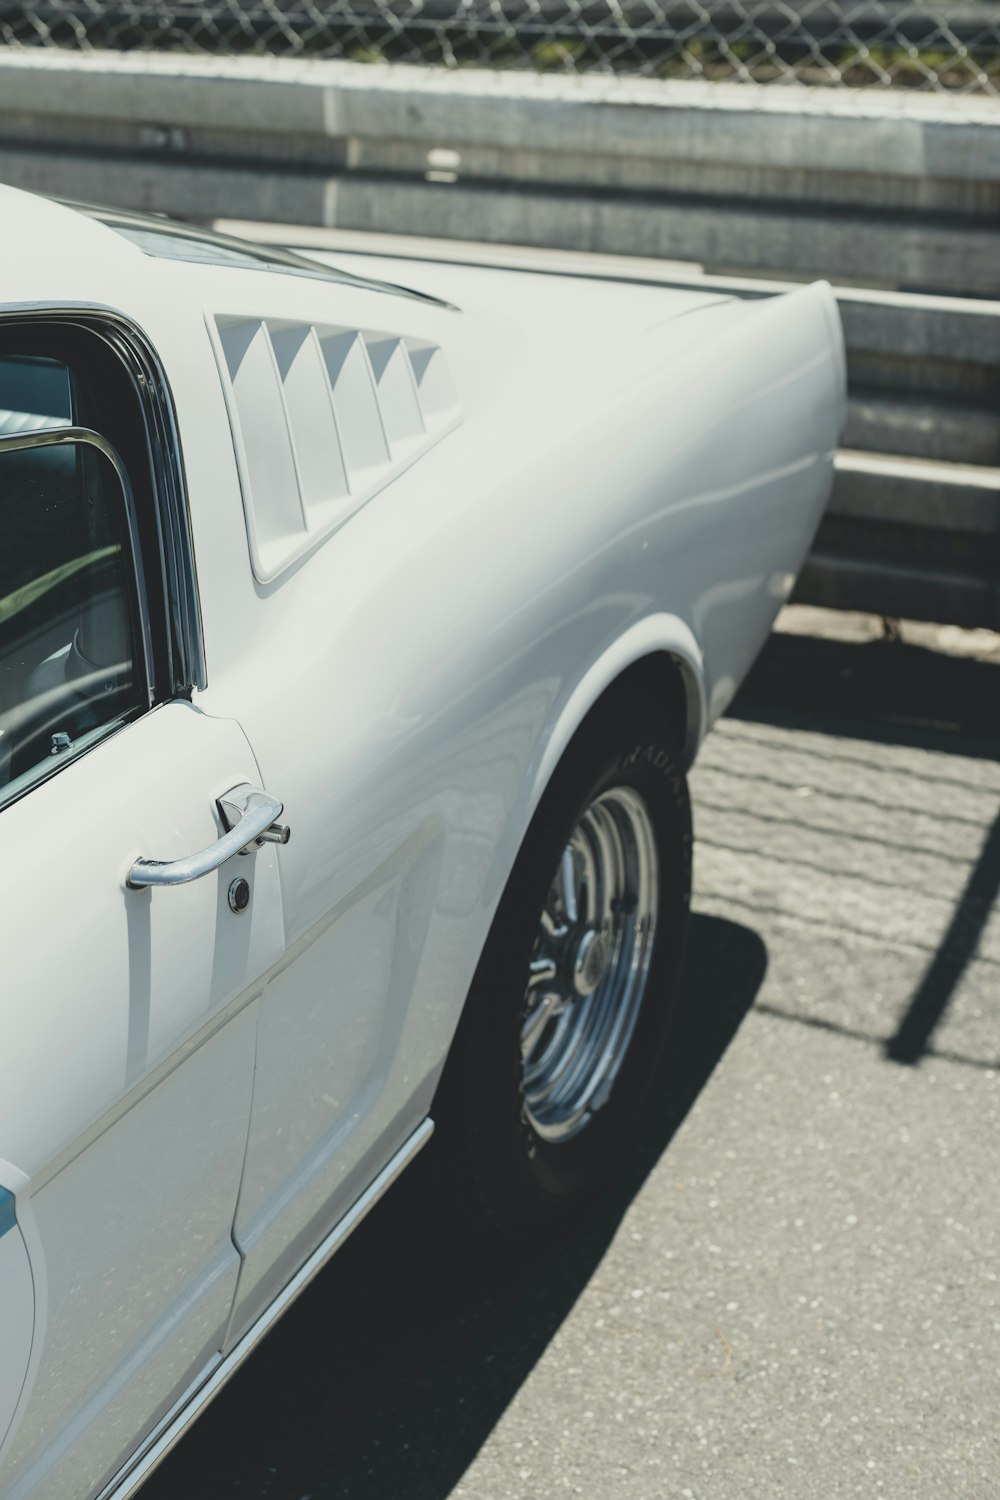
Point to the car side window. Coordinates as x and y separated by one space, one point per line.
71 659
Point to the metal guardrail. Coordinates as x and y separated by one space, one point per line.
950 45
674 184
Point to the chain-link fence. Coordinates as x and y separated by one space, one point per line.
951 45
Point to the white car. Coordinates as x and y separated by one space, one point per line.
354 643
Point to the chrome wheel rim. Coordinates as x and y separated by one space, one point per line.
590 965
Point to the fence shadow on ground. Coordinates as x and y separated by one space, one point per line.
390 1372
892 692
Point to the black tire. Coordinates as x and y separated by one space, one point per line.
527 1184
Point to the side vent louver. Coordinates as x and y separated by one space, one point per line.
397 391
323 418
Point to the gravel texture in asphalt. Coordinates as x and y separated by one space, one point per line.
793 1288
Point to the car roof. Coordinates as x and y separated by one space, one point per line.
39 230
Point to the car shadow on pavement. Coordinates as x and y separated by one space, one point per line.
386 1377
889 691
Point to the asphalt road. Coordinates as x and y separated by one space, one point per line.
793 1289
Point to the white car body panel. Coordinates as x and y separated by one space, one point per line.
633 471
128 1017
18 1313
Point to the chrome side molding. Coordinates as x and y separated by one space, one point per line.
179 1419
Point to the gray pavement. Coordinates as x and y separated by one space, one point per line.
793 1291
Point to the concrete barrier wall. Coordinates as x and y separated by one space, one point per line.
894 197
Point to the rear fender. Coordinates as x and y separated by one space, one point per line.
655 633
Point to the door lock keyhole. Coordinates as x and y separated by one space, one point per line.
239 895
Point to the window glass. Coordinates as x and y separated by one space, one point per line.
34 393
69 661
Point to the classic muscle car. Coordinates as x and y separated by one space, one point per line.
354 642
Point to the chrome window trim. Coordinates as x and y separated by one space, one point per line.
183 623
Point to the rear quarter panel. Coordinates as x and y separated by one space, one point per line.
409 686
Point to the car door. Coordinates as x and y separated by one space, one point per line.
129 1010
343 1079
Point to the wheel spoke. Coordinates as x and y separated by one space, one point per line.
589 878
581 1021
567 879
607 864
541 971
559 1070
551 1005
552 925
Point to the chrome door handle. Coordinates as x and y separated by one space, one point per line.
251 819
